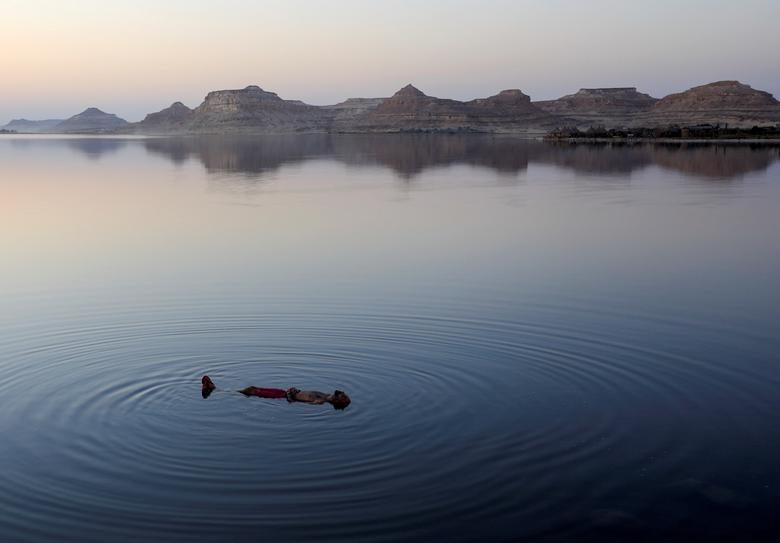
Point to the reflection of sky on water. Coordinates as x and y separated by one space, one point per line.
353 208
563 337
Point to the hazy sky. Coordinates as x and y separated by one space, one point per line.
131 57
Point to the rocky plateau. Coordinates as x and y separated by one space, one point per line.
253 110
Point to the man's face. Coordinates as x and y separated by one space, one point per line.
340 400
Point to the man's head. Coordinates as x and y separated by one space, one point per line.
339 400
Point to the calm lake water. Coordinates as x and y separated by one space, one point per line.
542 342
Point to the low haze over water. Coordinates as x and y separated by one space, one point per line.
542 342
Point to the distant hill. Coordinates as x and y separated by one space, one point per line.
91 120
721 95
25 126
257 111
729 102
601 106
174 118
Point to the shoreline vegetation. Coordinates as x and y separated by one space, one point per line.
699 132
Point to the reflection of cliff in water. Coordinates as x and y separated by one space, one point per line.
410 155
407 155
596 158
715 161
242 154
93 148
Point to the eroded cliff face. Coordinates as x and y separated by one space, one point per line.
721 95
508 105
603 106
351 108
411 104
721 102
251 110
247 99
254 110
410 109
173 119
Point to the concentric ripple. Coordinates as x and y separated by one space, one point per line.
467 418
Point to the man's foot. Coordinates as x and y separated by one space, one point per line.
207 386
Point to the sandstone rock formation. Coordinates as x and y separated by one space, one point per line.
718 96
352 108
729 102
253 109
256 111
509 108
91 120
410 109
608 107
171 119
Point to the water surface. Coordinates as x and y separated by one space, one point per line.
542 342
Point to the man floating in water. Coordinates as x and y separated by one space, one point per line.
339 400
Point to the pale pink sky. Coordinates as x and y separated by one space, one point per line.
133 57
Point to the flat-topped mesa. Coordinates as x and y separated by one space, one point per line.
506 98
246 97
611 91
91 120
253 109
617 96
508 107
251 93
513 94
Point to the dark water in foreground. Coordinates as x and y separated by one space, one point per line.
542 342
